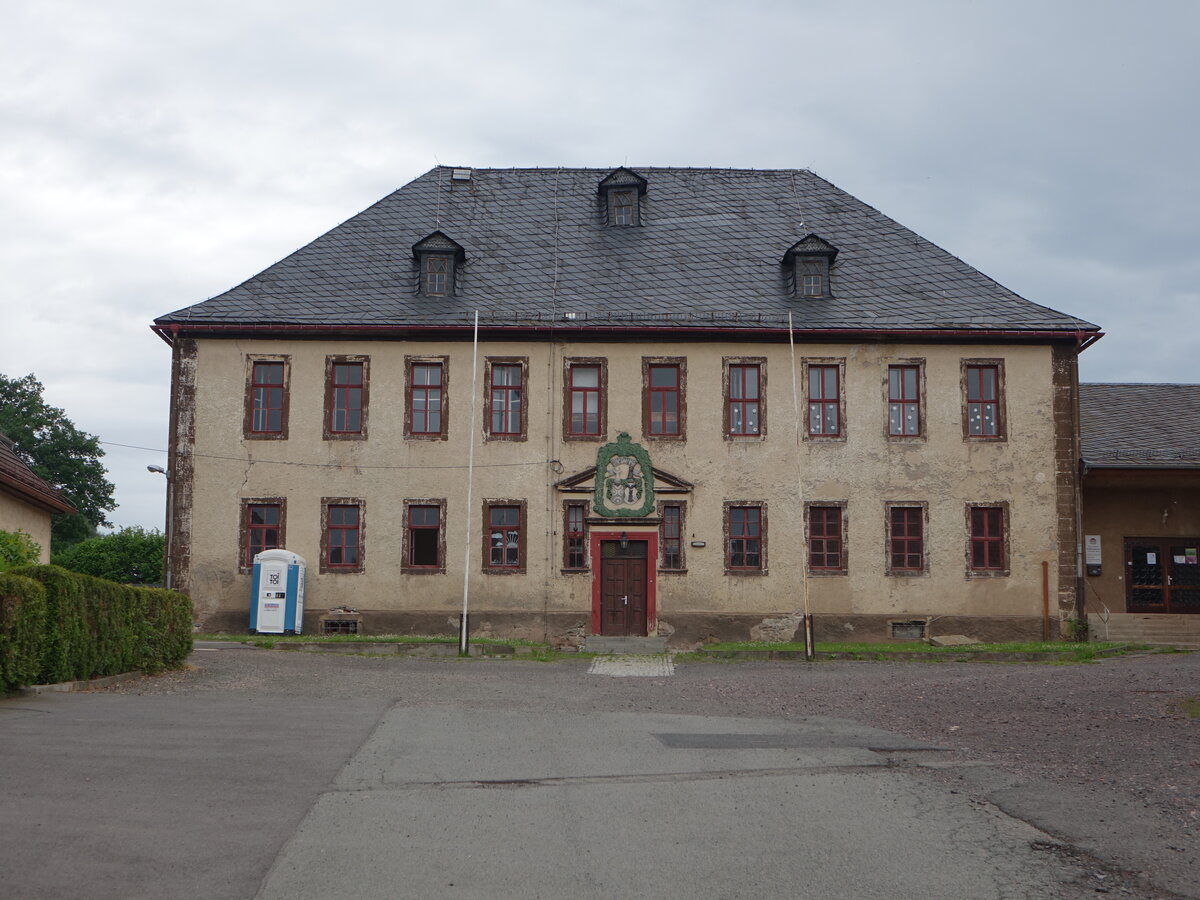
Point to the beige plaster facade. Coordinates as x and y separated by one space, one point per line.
217 468
17 514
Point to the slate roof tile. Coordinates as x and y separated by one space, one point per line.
1140 425
711 243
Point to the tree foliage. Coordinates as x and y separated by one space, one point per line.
55 449
17 549
129 556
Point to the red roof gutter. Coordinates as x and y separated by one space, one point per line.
170 332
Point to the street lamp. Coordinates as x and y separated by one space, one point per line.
167 567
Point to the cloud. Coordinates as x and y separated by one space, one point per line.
157 154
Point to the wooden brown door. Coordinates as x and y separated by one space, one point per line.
1162 575
623 588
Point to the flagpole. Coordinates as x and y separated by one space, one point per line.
809 645
469 517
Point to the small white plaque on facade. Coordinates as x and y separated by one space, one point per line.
1091 549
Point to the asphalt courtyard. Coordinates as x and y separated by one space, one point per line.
259 773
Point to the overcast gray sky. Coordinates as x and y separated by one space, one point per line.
156 153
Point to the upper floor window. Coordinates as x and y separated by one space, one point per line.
584 413
983 409
824 400
506 415
904 400
438 258
663 415
744 399
267 399
345 398
425 416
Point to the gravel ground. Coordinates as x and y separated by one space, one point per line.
1108 733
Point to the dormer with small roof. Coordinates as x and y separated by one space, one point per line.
806 267
622 191
438 258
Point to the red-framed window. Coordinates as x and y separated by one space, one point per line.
743 406
906 539
825 539
983 400
583 399
575 536
987 539
505 531
507 399
267 398
663 399
424 537
744 546
904 401
345 398
263 529
671 536
824 401
425 399
343 526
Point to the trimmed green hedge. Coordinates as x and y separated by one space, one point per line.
22 631
93 627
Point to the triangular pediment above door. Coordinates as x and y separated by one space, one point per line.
585 482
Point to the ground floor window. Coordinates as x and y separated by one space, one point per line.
575 536
341 535
424 536
906 539
826 539
745 538
504 536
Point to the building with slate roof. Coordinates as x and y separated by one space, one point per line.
1141 507
703 400
26 499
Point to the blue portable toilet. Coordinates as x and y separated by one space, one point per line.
277 593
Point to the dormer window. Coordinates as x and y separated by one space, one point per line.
806 267
437 275
624 204
621 191
438 258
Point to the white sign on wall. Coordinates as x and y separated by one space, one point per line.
1091 549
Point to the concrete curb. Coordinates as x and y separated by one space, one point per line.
902 656
69 686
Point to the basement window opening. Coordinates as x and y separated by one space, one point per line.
908 631
339 626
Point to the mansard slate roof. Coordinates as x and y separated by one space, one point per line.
1140 425
707 254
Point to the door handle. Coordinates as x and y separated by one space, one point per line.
626 599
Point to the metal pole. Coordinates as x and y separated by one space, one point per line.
463 629
809 644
